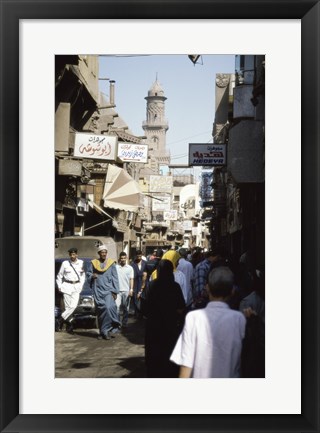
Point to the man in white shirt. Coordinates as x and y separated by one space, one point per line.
70 280
211 341
126 280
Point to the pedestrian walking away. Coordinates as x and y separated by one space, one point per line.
126 279
186 268
164 309
70 280
253 349
211 341
103 278
200 275
174 257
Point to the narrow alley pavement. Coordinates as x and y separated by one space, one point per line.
82 355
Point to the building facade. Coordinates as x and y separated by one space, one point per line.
237 214
110 182
91 145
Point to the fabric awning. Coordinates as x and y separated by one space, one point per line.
99 209
121 191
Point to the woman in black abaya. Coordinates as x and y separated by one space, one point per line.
165 313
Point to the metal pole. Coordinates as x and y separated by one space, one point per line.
96 225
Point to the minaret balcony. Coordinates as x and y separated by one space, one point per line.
156 124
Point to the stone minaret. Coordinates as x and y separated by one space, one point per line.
156 126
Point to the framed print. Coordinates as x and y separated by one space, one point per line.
32 33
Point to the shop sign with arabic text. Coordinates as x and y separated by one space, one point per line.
161 204
207 154
129 152
161 183
95 146
170 215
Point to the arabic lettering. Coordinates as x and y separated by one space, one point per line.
215 147
97 147
131 154
211 154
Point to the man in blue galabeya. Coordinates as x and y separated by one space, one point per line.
103 278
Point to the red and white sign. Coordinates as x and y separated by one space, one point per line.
95 146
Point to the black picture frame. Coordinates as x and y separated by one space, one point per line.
11 12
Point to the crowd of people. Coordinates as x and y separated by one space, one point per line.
204 312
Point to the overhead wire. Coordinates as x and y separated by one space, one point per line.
211 139
186 138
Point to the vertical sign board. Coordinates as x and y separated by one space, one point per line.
95 146
207 154
206 190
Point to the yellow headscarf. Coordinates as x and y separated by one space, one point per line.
171 255
97 264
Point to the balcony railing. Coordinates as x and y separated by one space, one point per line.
156 123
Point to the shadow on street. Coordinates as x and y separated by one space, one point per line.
83 355
135 332
135 365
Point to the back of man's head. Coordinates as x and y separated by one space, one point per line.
220 282
159 253
183 252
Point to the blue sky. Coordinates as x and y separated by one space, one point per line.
190 92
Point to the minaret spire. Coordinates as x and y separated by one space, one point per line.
156 125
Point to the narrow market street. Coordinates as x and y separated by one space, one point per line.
82 355
130 204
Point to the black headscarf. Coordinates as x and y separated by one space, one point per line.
165 271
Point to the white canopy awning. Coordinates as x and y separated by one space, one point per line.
99 209
121 191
